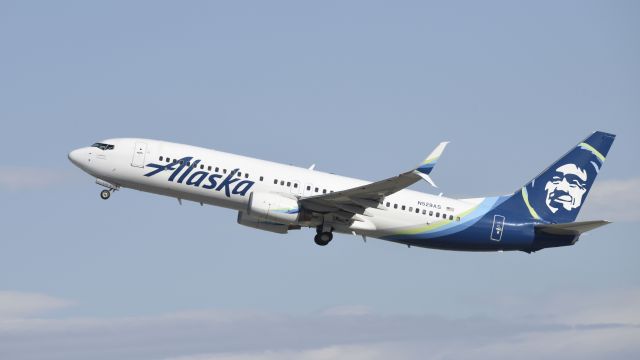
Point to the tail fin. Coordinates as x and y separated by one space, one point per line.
557 194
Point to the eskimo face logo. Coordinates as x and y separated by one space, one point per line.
230 185
566 188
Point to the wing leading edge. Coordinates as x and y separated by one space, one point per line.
356 200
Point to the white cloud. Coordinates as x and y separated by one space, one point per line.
27 178
571 325
597 343
615 200
347 310
15 304
351 352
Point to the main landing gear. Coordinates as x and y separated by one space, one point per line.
322 237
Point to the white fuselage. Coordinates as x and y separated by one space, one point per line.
131 161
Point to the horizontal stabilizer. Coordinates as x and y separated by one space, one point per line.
573 228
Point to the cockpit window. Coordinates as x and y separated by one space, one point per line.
103 146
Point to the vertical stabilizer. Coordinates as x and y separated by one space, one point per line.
558 193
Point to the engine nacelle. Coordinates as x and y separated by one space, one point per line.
246 220
270 207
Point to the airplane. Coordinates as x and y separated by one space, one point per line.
278 198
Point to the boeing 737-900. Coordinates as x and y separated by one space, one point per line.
279 198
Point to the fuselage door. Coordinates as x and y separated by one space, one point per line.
138 154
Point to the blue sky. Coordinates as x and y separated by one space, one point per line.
361 88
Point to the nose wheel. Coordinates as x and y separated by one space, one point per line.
105 194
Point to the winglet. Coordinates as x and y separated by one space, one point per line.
428 164
425 167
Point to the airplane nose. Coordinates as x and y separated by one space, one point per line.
75 157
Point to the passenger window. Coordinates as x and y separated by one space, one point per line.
411 209
324 191
430 213
417 211
239 173
424 212
316 189
295 185
388 203
224 171
209 168
403 207
261 178
444 216
450 217
246 176
308 187
201 166
160 158
457 218
275 181
217 169
282 182
437 214
395 206
168 160
288 183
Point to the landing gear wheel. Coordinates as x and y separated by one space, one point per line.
323 238
105 194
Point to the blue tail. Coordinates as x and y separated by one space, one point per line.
557 194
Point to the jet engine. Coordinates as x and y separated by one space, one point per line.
271 207
246 220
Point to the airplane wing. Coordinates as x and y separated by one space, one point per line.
356 200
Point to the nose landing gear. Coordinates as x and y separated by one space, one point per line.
105 194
